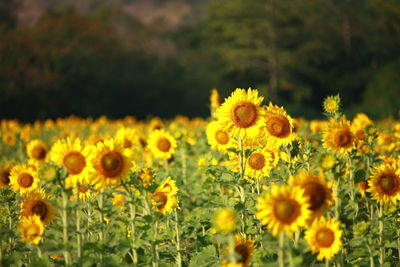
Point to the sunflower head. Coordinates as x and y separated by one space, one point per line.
326 161
338 136
279 125
5 172
359 123
162 144
31 229
9 138
284 209
332 104
225 220
324 238
145 176
244 247
384 184
240 114
37 150
24 178
128 136
35 203
218 138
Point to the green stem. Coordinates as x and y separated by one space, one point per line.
232 258
154 245
178 241
1 252
326 263
78 235
241 158
65 226
133 215
101 234
281 261
381 247
39 251
371 255
398 244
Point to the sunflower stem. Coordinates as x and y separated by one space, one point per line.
178 241
281 262
381 247
39 251
371 255
65 226
154 245
78 235
232 258
101 233
326 263
398 244
1 252
241 157
132 209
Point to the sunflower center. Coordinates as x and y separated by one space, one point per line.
160 199
221 137
39 152
5 177
40 208
25 180
163 144
83 190
243 251
257 161
325 237
74 162
278 126
388 184
111 164
244 114
316 193
286 210
342 138
127 143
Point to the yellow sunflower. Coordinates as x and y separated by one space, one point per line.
225 220
75 158
218 138
240 114
338 136
284 209
258 164
35 203
23 178
244 247
5 172
359 123
215 100
128 136
316 189
164 198
162 144
324 238
279 125
111 162
82 192
384 184
331 104
31 229
145 176
326 161
9 139
37 150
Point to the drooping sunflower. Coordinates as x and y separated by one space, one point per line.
218 138
284 209
240 114
384 184
162 144
75 158
279 125
338 136
23 178
245 248
37 149
35 203
324 238
316 188
5 172
31 229
111 162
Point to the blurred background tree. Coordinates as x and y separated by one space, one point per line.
137 57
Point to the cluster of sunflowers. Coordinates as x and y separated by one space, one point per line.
251 182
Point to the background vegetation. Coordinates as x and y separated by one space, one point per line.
163 57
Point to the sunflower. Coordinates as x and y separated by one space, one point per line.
23 178
215 100
326 161
244 248
37 150
317 126
323 237
31 229
5 175
316 188
128 136
331 104
164 198
9 139
284 209
112 164
75 158
258 164
359 123
279 125
384 184
35 203
338 136
161 144
225 220
145 176
168 186
218 138
240 114
82 192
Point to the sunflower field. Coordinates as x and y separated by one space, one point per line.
249 186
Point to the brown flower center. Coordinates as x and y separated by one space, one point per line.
161 199
83 190
39 152
243 251
256 161
316 193
111 164
286 210
343 138
25 180
278 125
221 137
127 143
388 184
40 208
244 114
5 177
325 237
74 162
163 144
